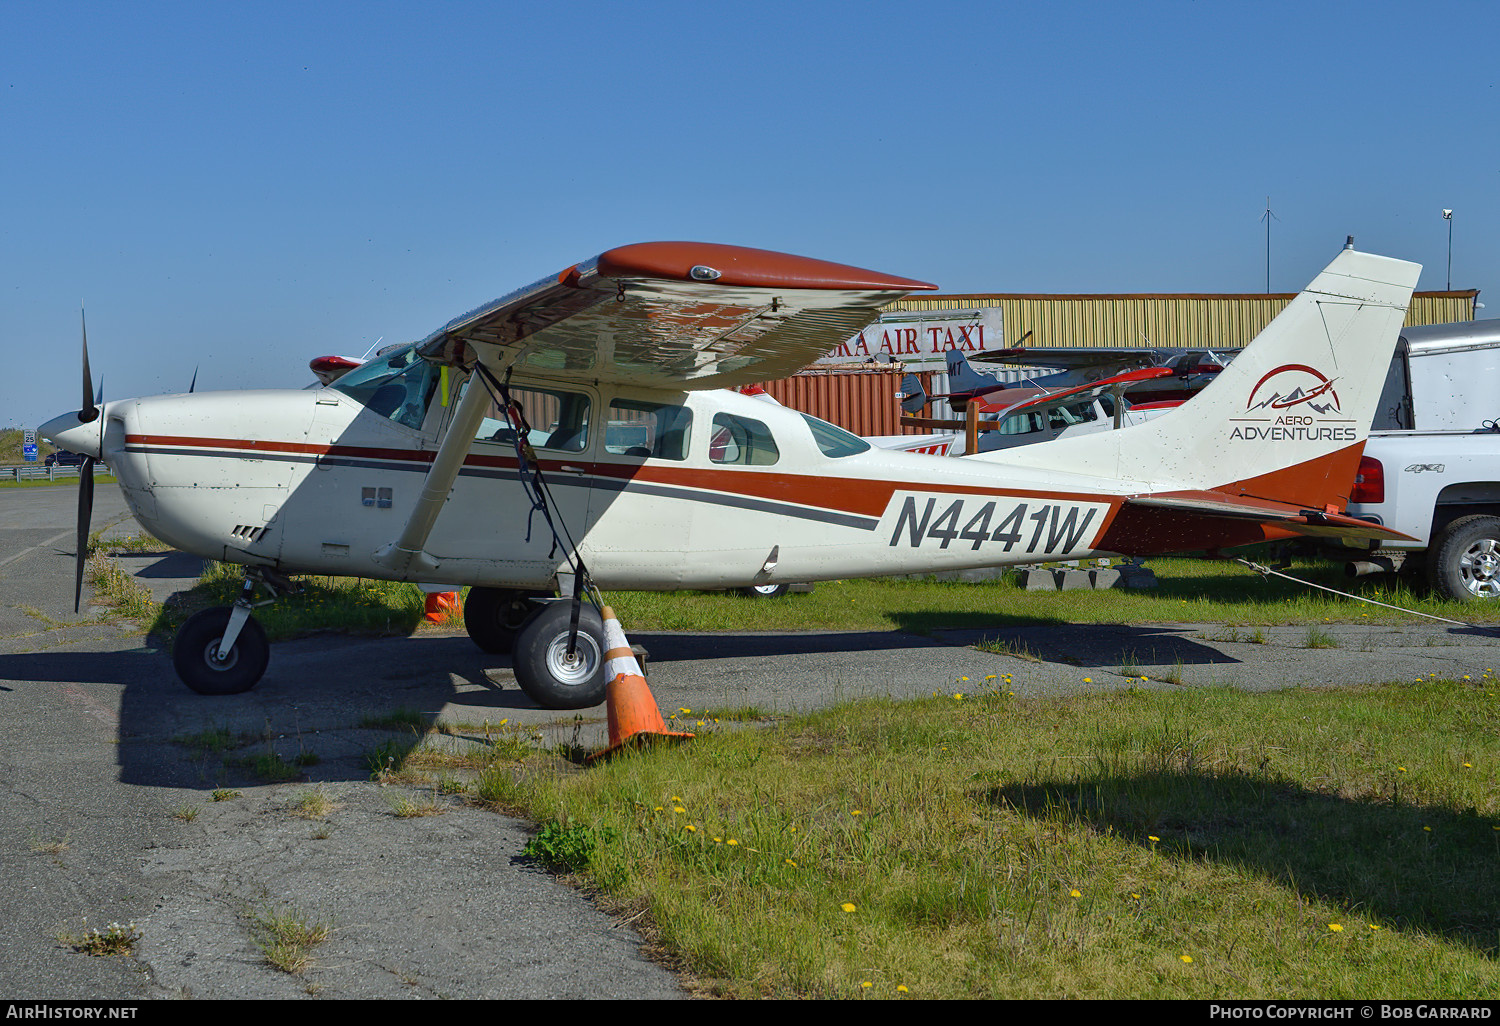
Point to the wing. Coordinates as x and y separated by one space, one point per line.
678 315
1046 400
1104 359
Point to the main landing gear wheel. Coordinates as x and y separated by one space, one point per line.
550 676
765 590
195 654
493 616
1465 562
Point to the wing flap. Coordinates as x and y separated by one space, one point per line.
676 315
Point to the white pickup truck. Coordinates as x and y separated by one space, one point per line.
1431 468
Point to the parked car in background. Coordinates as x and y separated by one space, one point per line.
64 458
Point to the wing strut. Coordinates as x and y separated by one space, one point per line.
405 553
530 472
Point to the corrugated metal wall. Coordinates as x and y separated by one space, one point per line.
858 399
1209 321
862 399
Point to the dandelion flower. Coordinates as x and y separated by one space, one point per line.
1074 894
866 984
691 829
1088 680
1152 838
678 808
1186 958
901 989
790 863
847 906
732 841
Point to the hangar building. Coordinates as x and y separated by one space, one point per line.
849 389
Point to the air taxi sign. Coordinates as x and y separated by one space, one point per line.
917 337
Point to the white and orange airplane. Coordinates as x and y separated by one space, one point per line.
582 433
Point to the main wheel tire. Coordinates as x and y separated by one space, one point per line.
543 667
195 654
1464 564
493 616
765 590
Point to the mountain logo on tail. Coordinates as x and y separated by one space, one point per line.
1294 384
1294 403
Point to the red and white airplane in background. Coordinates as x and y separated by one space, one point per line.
1183 372
582 433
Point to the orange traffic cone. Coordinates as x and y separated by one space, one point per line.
633 715
441 605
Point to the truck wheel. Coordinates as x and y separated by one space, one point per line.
492 616
1464 564
195 654
550 676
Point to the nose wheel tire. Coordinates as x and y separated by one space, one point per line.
1465 561
493 616
551 676
195 654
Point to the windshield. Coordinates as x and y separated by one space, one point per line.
397 386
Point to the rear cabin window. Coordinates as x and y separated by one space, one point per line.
647 430
740 441
555 420
834 441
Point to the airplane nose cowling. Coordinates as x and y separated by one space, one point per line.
68 432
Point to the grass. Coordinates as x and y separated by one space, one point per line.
1301 844
1192 590
287 937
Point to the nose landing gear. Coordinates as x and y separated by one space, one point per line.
223 650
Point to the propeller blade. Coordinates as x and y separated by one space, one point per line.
85 515
89 410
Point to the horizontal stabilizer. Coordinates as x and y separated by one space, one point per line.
1284 517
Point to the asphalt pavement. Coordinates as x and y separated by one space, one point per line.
108 777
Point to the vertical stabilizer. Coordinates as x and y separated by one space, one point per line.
1286 420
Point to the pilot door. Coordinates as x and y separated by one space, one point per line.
504 525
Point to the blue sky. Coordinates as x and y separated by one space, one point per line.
239 187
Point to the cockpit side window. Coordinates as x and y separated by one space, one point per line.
398 387
556 420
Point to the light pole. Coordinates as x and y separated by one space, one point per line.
1448 216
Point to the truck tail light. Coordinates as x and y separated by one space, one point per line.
1369 482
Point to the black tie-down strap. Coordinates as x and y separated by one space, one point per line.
529 470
